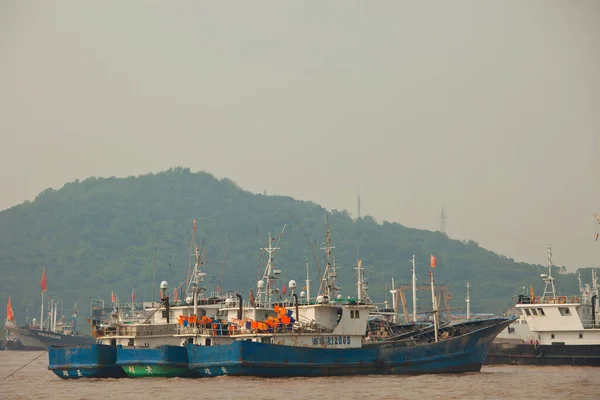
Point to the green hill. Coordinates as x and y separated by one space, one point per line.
99 235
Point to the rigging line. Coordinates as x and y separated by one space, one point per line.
260 256
224 261
154 277
26 364
309 244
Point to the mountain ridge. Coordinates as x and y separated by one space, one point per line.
99 234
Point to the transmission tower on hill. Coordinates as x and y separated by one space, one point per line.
443 222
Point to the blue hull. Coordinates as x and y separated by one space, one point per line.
464 353
95 361
165 361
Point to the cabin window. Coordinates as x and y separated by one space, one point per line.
356 314
581 336
207 342
541 311
552 336
351 313
533 311
527 312
564 311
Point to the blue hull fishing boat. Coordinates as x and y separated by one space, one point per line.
95 361
165 361
327 336
463 353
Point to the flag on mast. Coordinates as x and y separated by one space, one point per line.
43 285
194 225
113 298
433 261
9 311
132 295
531 292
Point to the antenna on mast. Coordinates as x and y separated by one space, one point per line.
548 277
265 285
328 282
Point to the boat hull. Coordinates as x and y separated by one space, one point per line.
165 361
95 361
530 354
464 353
35 339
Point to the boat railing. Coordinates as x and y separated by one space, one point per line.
559 299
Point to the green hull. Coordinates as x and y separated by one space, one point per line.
157 371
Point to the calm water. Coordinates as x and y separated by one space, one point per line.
495 382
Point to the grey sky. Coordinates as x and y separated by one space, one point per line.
491 109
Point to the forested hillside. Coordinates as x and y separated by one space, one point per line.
99 235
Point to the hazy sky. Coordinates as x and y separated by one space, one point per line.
490 109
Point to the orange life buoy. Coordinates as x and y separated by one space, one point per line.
550 300
562 300
536 300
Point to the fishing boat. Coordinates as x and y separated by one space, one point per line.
52 330
94 361
154 346
554 329
327 337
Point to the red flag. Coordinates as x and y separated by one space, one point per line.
113 298
283 290
132 295
433 261
194 225
9 311
43 281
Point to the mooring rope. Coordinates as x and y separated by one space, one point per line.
26 365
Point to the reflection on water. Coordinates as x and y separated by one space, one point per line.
494 382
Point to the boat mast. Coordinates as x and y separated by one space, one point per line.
307 285
414 289
394 300
549 288
265 285
42 315
361 285
434 304
358 280
195 289
54 316
328 280
468 300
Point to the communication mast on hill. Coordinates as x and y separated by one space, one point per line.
443 222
